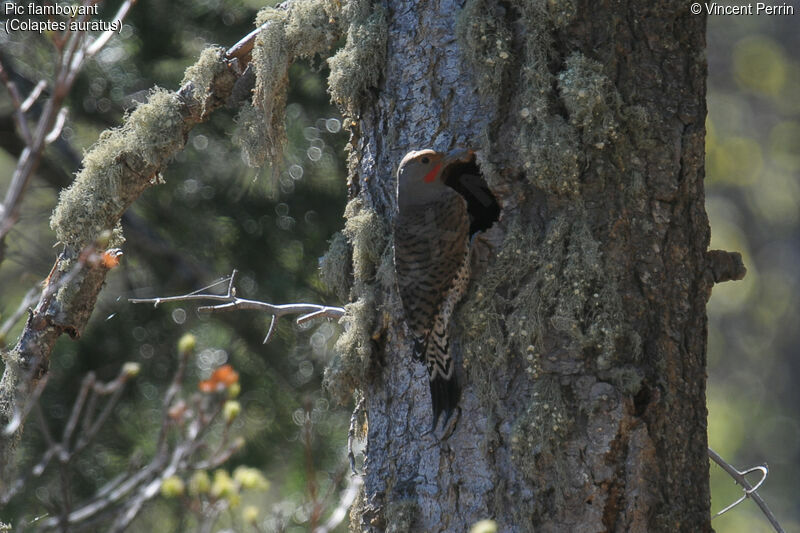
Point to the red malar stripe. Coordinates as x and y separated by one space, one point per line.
430 176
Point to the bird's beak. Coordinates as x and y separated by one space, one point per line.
459 155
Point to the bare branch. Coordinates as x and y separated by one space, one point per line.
346 499
101 41
35 93
19 107
55 131
123 497
231 302
273 321
749 490
245 44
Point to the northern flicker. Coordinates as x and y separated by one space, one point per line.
431 245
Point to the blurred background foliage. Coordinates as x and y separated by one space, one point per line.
215 214
753 202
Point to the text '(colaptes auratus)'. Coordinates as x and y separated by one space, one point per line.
431 257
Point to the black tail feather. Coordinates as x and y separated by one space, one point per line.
445 394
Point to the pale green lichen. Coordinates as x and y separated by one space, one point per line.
117 169
562 12
400 516
311 28
353 349
358 65
335 267
368 235
591 100
538 431
203 73
545 147
549 153
490 44
302 30
539 286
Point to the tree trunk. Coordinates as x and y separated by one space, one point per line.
581 344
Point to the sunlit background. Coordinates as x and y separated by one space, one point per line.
215 214
753 202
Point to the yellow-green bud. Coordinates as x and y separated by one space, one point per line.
250 478
250 514
199 483
233 390
223 485
231 410
484 526
172 487
131 369
187 343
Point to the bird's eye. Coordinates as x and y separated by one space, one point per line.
425 160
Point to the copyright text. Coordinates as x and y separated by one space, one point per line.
757 8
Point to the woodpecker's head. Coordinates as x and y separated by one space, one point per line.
419 176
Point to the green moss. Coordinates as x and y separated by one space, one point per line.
336 265
116 170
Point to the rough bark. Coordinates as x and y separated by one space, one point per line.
581 347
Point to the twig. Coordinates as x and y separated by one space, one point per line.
31 99
749 490
123 497
19 107
101 41
351 435
30 298
20 414
232 302
245 44
346 499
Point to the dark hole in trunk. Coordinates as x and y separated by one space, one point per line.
467 180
